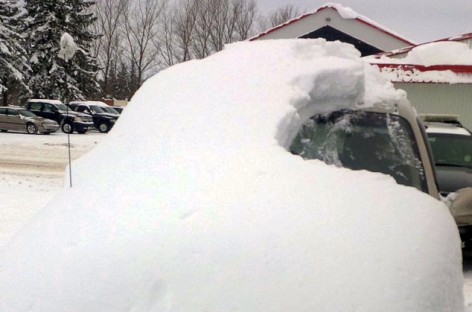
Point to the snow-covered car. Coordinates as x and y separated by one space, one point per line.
210 211
451 144
68 120
14 118
103 119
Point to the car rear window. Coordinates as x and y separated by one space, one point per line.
361 140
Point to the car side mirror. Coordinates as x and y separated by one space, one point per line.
461 206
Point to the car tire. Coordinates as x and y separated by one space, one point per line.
31 128
67 127
103 127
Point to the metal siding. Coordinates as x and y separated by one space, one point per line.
441 99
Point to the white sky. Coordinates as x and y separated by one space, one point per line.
419 20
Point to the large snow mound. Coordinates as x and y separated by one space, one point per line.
193 203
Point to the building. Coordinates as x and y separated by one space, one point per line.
441 87
437 76
335 22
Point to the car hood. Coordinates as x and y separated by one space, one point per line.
453 178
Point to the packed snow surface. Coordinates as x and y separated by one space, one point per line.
193 203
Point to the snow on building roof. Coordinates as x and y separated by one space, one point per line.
465 38
346 14
442 61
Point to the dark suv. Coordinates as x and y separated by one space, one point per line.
55 110
103 120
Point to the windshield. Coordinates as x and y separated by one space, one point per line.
62 107
363 140
111 110
26 113
451 150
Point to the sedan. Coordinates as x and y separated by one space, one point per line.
14 118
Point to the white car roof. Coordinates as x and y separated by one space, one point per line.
97 103
445 128
45 101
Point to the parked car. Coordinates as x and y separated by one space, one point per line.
392 140
103 119
451 144
13 118
211 212
55 110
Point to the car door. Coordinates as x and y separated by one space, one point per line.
3 119
15 121
49 111
36 108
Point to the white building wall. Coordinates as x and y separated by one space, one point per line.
441 99
329 17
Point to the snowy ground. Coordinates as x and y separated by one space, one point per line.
32 171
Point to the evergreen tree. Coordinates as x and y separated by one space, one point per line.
51 76
13 64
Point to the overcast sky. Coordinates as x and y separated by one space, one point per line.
417 20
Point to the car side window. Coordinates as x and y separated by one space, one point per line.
12 112
3 111
48 108
35 107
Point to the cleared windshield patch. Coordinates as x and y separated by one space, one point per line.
361 140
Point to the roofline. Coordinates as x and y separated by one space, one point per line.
358 18
271 30
408 49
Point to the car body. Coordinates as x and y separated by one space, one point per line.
55 110
103 119
14 118
451 144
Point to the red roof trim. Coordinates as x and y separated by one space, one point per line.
458 69
280 26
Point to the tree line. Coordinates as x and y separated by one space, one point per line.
120 43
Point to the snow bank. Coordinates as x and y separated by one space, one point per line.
203 208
